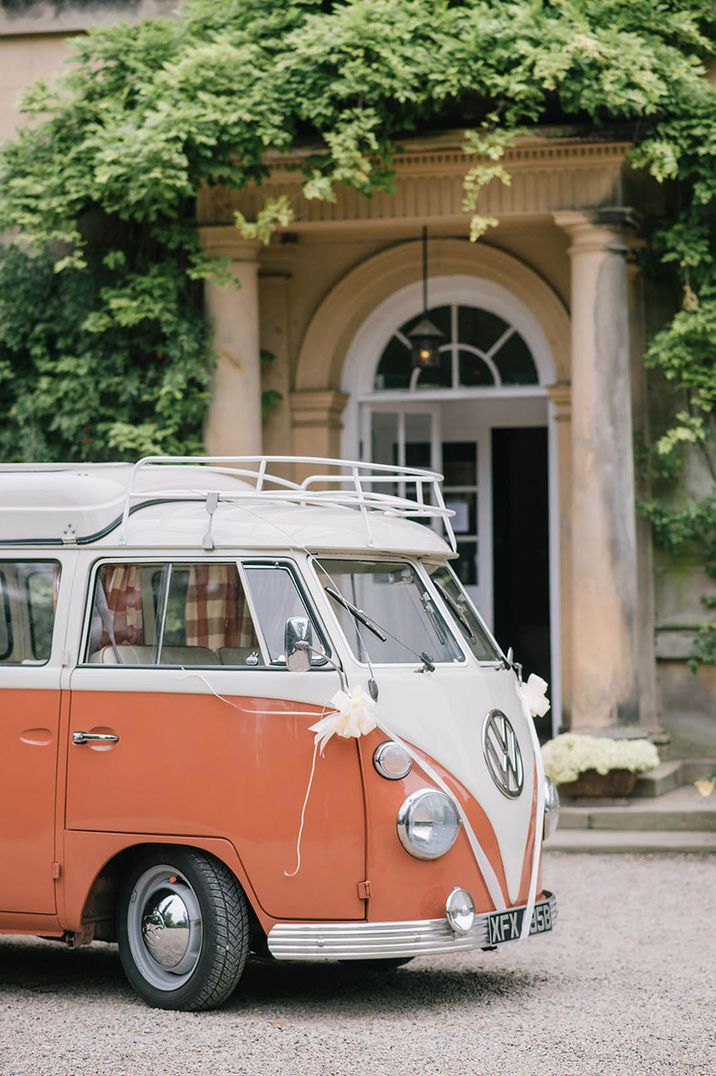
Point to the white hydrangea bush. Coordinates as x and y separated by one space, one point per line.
570 754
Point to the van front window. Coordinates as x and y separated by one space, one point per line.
394 601
473 630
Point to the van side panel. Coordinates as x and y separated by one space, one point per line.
234 768
88 854
29 723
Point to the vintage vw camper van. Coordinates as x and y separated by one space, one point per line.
241 714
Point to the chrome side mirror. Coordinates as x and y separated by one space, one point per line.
297 643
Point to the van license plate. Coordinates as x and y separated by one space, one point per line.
506 926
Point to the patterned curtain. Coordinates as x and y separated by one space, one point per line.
217 613
124 601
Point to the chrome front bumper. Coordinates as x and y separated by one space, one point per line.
372 941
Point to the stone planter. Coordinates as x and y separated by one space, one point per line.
616 784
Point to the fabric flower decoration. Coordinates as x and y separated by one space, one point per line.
352 715
534 697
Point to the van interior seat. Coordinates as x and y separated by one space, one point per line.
144 655
237 655
189 655
124 655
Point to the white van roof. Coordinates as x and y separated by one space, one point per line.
215 502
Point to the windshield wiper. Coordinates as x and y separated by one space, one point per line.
453 605
357 614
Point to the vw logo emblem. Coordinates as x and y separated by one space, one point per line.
502 754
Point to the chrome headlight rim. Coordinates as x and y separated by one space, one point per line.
380 761
551 808
404 819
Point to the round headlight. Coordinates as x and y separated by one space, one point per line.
428 823
392 761
460 911
551 808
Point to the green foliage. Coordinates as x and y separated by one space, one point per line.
102 345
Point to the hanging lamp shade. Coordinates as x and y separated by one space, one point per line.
425 340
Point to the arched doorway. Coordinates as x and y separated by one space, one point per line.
482 419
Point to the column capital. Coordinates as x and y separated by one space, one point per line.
226 241
318 407
560 396
605 229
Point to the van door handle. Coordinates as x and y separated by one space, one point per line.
94 737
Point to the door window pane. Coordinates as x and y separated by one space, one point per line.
171 615
28 600
276 599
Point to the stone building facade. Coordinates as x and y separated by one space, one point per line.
532 414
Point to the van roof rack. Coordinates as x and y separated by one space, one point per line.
407 492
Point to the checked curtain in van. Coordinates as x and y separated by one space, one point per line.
217 613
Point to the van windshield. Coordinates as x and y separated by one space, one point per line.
391 595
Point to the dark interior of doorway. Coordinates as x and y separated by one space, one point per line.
520 507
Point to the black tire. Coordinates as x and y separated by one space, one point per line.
389 964
213 940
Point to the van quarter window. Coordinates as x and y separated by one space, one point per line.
28 599
471 627
190 614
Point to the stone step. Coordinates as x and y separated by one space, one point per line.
681 810
665 778
634 841
631 818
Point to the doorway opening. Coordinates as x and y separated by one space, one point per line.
481 418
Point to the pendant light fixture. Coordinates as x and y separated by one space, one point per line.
425 338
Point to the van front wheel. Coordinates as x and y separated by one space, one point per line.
183 929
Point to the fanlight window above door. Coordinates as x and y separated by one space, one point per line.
481 350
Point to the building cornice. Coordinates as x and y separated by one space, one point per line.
549 173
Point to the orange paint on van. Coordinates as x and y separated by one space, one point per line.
28 765
406 888
194 765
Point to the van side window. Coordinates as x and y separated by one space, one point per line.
276 597
28 600
5 622
171 615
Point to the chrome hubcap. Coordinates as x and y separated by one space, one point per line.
164 927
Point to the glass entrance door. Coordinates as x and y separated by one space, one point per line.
412 436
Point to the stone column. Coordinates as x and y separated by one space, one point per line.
646 642
233 425
316 416
605 681
560 397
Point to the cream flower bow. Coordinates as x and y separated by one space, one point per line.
533 695
352 715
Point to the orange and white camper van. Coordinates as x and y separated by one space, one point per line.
241 715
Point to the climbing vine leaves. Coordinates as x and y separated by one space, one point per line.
103 345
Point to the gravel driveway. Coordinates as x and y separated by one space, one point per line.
626 984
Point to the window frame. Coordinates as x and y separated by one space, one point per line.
417 567
487 663
452 347
286 563
4 595
6 610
